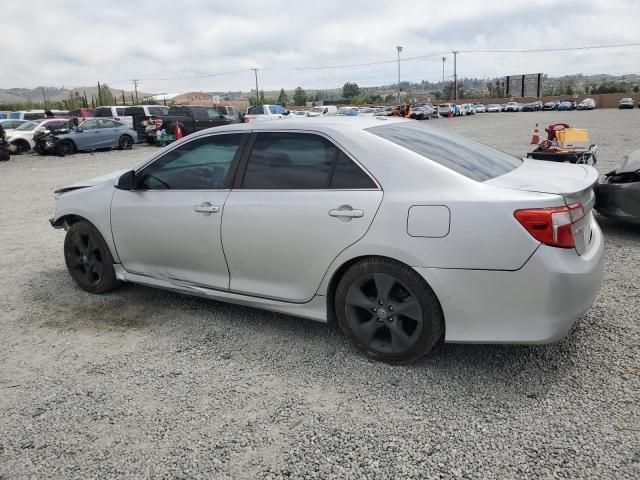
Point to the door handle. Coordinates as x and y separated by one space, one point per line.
346 212
206 208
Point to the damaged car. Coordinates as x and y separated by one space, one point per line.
618 193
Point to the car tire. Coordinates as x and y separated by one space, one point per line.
88 259
388 310
20 147
65 147
125 143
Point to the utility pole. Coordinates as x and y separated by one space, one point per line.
455 76
44 98
135 86
444 90
399 48
255 71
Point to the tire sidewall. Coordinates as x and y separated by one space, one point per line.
433 320
108 280
125 143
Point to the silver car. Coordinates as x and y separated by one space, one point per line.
404 234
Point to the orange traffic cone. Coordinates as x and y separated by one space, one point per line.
535 139
177 131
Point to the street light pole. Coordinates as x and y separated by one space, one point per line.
255 71
444 90
455 75
399 48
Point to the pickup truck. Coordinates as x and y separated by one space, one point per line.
263 113
192 119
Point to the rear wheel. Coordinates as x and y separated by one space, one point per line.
126 142
388 310
88 259
65 147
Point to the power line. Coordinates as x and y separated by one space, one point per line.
406 59
561 49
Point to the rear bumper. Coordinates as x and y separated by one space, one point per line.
536 304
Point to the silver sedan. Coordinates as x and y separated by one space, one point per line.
404 234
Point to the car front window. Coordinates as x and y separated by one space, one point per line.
202 164
27 127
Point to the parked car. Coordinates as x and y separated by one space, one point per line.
229 112
10 124
480 108
566 105
618 194
421 113
297 114
91 134
35 114
347 111
551 105
143 117
512 107
587 104
193 118
366 112
263 113
115 113
21 139
462 246
445 108
532 107
494 107
384 111
626 103
323 111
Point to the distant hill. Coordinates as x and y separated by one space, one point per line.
53 94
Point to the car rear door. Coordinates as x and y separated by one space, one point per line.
169 226
89 138
297 202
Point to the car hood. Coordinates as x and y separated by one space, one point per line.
548 177
92 182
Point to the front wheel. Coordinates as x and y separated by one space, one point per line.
126 142
388 310
65 147
88 259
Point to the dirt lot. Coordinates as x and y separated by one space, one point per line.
143 383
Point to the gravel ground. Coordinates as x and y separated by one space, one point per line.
142 383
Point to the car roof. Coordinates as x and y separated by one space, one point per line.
311 124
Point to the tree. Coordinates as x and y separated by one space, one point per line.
299 97
636 89
569 90
350 90
389 98
283 98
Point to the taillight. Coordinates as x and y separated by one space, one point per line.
551 226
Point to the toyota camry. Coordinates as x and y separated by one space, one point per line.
402 233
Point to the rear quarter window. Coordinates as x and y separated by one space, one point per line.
455 152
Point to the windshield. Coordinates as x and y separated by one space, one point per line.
27 126
159 111
467 157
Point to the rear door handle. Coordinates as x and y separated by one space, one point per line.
206 208
346 212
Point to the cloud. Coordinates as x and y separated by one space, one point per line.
60 42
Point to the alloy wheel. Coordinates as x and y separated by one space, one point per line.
384 313
85 259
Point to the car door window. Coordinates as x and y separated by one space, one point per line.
290 161
202 164
347 175
213 114
106 124
89 124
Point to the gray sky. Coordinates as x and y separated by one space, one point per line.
76 43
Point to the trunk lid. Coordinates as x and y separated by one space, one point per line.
573 182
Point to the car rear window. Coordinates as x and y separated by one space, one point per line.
460 154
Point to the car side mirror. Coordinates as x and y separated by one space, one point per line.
127 181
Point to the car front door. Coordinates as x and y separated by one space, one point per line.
168 227
89 138
297 202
